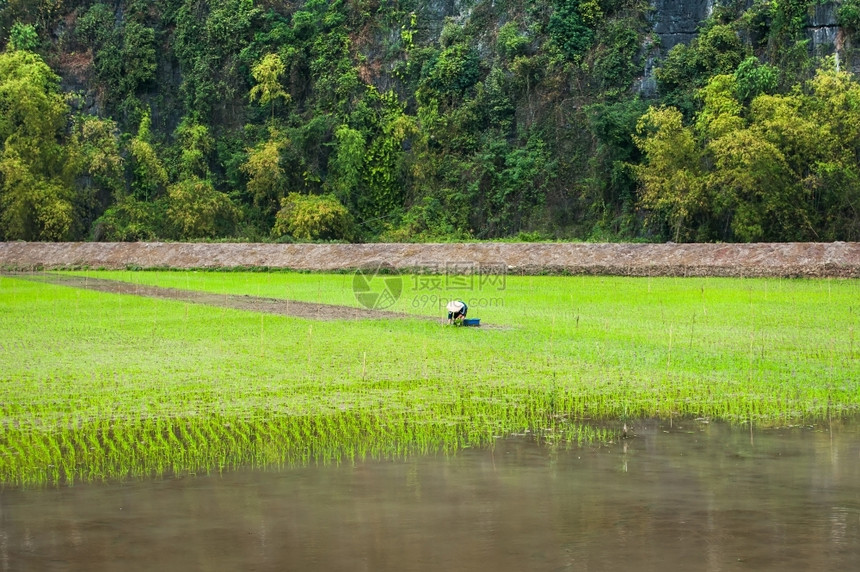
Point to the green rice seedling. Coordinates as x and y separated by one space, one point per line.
106 386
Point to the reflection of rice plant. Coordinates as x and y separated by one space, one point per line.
96 386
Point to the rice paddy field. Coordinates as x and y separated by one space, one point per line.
104 386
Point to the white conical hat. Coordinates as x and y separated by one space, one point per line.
455 306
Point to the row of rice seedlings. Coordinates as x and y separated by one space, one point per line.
594 397
34 453
118 449
599 368
100 449
599 395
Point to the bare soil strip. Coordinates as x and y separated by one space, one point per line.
308 310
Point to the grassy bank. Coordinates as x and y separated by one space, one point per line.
97 385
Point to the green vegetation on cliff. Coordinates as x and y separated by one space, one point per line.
390 120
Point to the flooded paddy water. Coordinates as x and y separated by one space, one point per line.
686 496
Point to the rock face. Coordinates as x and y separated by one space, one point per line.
677 21
435 12
825 36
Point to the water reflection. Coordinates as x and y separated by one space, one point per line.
695 497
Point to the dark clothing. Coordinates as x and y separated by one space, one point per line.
461 313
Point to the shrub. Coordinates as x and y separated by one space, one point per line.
313 217
197 210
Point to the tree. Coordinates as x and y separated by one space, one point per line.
755 78
149 177
755 193
781 120
687 68
568 26
141 213
130 219
197 210
33 108
783 168
267 178
95 152
32 206
195 144
346 166
512 183
455 70
721 113
267 73
831 100
23 37
848 15
671 175
611 186
124 52
382 185
313 217
37 199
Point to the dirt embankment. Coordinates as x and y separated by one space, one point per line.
839 259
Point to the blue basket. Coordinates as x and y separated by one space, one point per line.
472 322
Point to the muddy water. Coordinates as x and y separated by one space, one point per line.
698 497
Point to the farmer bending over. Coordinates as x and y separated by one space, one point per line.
456 311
